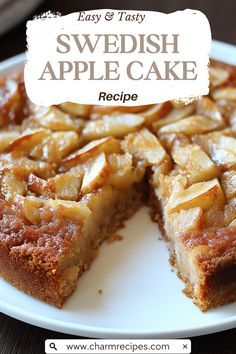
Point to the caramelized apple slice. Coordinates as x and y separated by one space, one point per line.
195 163
166 185
123 174
12 185
233 223
12 102
192 125
174 115
156 112
35 209
106 145
55 146
66 185
24 166
31 208
99 111
202 194
145 146
75 109
170 141
116 125
229 211
228 181
39 185
218 76
56 120
206 107
184 221
69 209
220 147
224 153
226 93
28 140
6 137
95 175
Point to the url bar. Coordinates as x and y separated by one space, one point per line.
107 346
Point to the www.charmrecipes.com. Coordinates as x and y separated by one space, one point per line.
107 346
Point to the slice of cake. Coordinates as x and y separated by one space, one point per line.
52 222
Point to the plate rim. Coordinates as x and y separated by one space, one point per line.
106 332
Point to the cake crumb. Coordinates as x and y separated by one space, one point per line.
155 217
113 238
100 291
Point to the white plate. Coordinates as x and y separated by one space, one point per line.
141 297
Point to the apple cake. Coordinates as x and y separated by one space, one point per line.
71 174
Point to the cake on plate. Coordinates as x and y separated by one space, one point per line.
71 174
